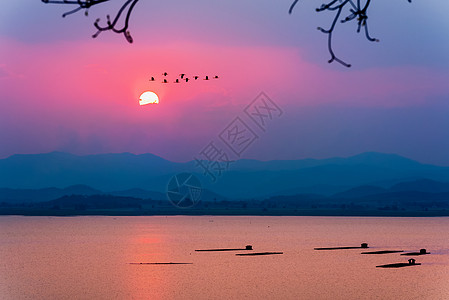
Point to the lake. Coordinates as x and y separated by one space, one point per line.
89 258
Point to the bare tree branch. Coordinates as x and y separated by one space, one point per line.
357 12
128 5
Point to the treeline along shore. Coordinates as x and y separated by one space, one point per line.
405 204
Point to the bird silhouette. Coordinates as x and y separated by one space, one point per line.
216 77
177 81
165 73
207 78
152 79
196 77
182 75
165 81
187 79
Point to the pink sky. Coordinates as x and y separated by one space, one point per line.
81 95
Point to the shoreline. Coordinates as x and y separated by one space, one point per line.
219 212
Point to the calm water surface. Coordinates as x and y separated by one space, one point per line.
88 258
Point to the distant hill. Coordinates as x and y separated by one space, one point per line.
407 200
322 189
127 174
362 200
79 202
367 158
80 189
25 196
422 185
206 195
139 193
38 195
104 171
360 191
236 184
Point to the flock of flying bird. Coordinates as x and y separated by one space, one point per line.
183 78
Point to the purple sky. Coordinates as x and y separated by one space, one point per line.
62 90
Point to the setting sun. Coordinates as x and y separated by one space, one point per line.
148 98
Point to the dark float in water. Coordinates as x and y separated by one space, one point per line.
383 252
362 246
162 263
421 252
258 253
248 247
411 262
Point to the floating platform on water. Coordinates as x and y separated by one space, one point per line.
362 246
421 252
382 252
411 262
248 247
259 253
161 263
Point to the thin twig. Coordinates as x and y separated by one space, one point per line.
357 12
112 26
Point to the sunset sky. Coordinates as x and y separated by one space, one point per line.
62 90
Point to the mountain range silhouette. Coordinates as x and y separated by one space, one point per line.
146 176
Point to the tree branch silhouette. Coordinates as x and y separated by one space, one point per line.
127 6
356 12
